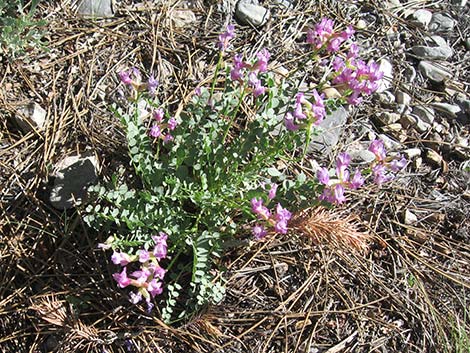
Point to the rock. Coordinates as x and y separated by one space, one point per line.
73 175
433 72
449 110
287 4
362 156
51 344
31 117
410 217
386 82
331 92
361 24
96 8
331 128
424 113
463 103
402 109
461 148
421 18
433 158
389 143
403 98
248 12
411 120
388 118
411 153
432 53
441 22
183 18
386 98
409 73
460 3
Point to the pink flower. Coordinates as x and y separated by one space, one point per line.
258 208
152 85
141 276
378 149
125 78
380 176
259 232
122 279
398 164
281 226
144 256
263 57
323 176
282 214
338 196
158 115
289 122
342 162
357 180
272 191
159 272
155 131
347 33
226 37
160 250
155 288
134 298
120 258
172 123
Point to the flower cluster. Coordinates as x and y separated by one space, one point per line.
324 35
278 220
158 128
305 113
148 278
226 37
241 70
384 166
333 191
133 79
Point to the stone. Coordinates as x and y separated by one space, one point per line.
410 73
441 22
461 147
386 98
73 175
31 117
248 12
403 98
386 82
432 53
389 143
433 72
388 118
96 8
421 18
331 129
287 4
359 157
460 3
433 158
411 153
410 217
448 110
424 113
361 24
331 92
183 18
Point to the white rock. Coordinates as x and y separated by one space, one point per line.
31 117
388 118
386 82
432 53
424 113
183 18
332 128
411 153
433 72
449 110
389 143
73 175
410 217
441 22
96 8
403 98
422 18
248 12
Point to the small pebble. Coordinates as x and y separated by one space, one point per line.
433 158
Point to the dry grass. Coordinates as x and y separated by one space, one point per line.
355 280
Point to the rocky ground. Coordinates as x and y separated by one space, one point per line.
409 292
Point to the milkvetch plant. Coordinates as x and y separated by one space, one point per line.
212 172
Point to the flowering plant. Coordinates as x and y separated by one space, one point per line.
213 171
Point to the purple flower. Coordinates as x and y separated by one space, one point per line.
198 91
272 191
338 194
263 57
152 85
172 123
226 37
120 258
155 131
238 64
125 78
281 226
334 44
377 148
160 249
323 176
155 288
353 51
144 256
338 64
342 162
258 208
158 115
318 108
380 176
357 180
167 138
398 164
259 232
347 33
159 272
141 275
122 279
134 298
289 122
282 214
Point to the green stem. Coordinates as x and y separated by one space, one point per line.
216 74
234 114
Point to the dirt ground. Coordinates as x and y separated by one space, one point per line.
409 291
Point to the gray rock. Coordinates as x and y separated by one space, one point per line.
73 175
386 82
441 22
421 18
410 217
31 117
331 129
413 121
359 157
403 98
386 98
183 18
96 8
426 114
411 153
433 158
389 143
434 72
464 103
436 41
388 118
287 4
248 12
432 53
409 73
449 110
